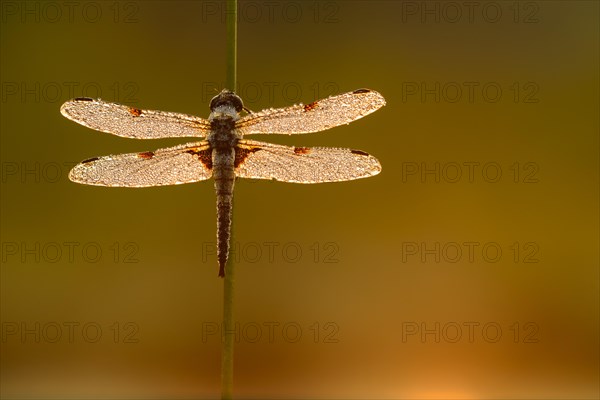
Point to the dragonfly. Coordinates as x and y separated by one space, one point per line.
224 154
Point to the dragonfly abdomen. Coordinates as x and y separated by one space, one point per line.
224 176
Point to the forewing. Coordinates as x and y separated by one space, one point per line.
131 122
258 160
190 162
313 117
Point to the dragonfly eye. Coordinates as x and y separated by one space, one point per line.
227 98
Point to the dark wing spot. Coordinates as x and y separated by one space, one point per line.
83 99
136 112
311 106
89 160
357 91
204 156
147 155
301 150
360 153
242 153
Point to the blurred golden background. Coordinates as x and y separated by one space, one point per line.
467 269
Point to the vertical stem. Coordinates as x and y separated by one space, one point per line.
228 333
231 44
228 321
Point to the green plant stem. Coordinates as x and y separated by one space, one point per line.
228 326
228 329
231 44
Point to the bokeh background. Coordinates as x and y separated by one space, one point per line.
467 269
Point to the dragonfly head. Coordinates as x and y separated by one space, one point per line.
226 99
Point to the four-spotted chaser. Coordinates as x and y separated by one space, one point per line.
224 154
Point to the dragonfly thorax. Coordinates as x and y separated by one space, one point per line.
225 109
223 133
